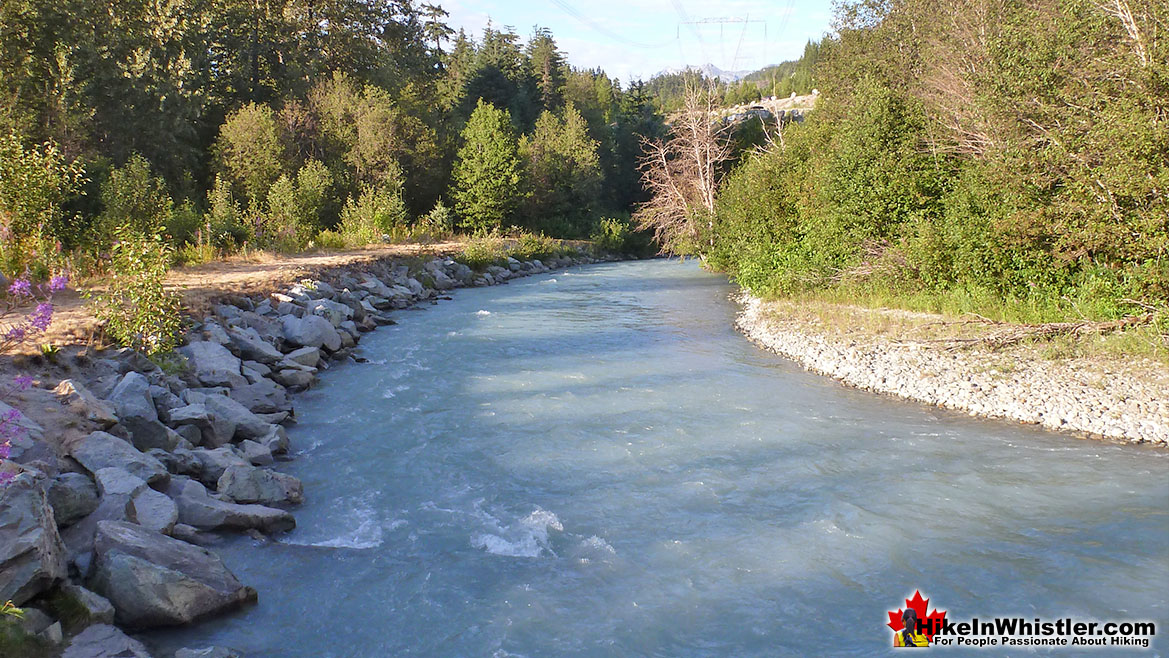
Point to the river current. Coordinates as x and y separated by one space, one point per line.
592 462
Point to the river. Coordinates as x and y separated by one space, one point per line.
593 462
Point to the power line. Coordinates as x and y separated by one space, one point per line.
585 20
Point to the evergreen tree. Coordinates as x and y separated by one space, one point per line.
547 68
564 174
487 174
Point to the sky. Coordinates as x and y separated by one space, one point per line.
640 38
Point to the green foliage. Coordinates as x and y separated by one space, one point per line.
294 208
183 224
35 184
224 225
563 175
250 152
377 212
1025 187
439 222
617 236
135 308
132 197
487 174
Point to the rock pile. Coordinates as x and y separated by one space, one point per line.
107 516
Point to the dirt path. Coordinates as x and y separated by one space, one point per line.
203 285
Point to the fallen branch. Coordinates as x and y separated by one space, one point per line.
1013 334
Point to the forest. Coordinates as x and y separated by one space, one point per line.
283 125
1009 159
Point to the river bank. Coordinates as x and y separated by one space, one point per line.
884 351
126 470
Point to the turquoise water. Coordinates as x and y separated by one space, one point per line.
593 463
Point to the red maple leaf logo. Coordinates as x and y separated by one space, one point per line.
930 623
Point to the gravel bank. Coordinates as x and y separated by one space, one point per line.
1072 395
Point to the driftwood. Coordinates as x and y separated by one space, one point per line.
1010 334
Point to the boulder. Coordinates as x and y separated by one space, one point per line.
213 364
247 425
276 440
73 497
151 509
334 312
248 484
199 510
90 607
214 430
105 641
85 404
136 412
311 330
180 462
214 462
154 580
294 379
251 346
101 450
305 356
263 396
32 556
256 454
113 482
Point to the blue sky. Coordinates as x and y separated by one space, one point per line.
639 38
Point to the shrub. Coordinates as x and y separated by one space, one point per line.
224 223
134 199
439 222
35 183
136 309
183 224
378 211
251 151
616 235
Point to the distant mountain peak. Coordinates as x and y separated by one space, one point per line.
710 71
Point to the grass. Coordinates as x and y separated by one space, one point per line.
483 251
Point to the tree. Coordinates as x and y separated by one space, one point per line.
563 174
547 67
682 173
250 151
434 27
487 174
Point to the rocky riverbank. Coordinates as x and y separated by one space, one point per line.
125 469
1127 403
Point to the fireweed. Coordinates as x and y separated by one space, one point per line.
17 326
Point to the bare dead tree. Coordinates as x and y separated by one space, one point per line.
682 173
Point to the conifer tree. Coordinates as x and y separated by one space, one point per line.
487 175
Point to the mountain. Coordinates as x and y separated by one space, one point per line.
709 71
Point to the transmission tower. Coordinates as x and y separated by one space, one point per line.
722 22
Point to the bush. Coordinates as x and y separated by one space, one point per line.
378 211
616 235
251 151
439 222
134 199
35 184
183 224
136 309
224 223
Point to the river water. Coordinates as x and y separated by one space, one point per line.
593 463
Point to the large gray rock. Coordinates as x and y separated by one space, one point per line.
263 396
334 312
105 641
151 509
251 346
73 497
85 404
305 356
276 440
32 556
101 450
247 424
256 454
214 462
153 580
294 379
311 330
214 430
213 364
91 607
137 413
248 484
198 509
